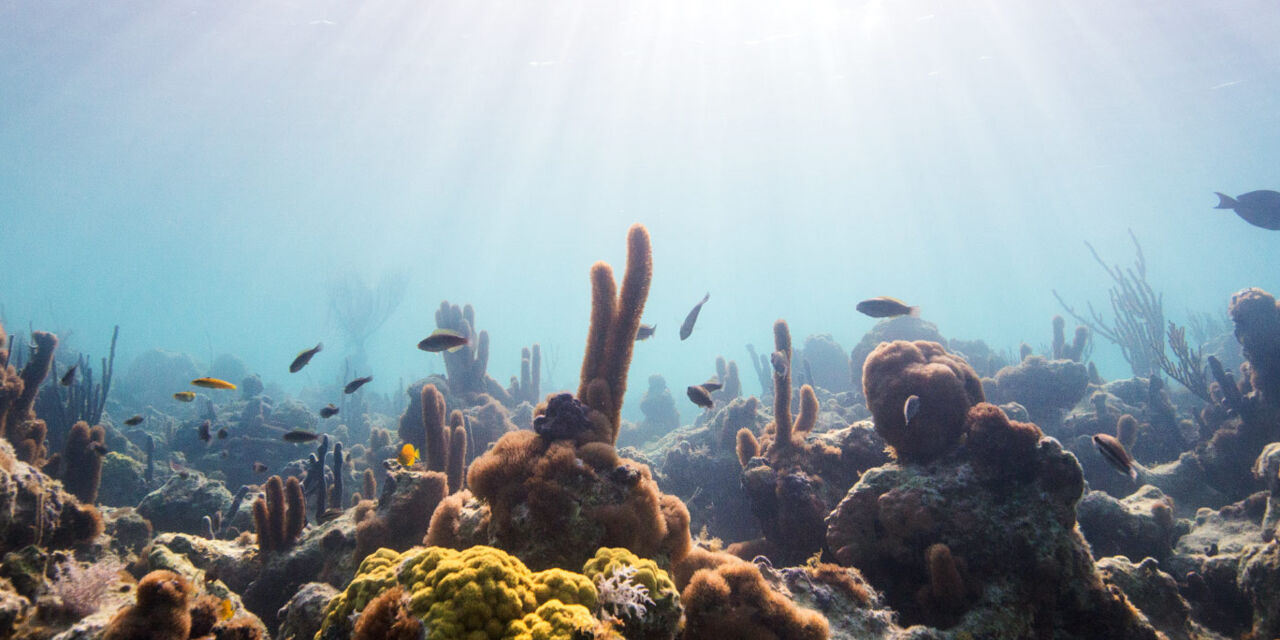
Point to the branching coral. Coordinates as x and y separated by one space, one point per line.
466 368
280 515
442 441
615 317
18 423
527 388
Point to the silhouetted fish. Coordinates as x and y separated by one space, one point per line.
258 467
779 362
443 340
205 436
1258 208
134 421
304 357
184 396
886 307
99 448
222 433
712 386
354 385
328 412
1115 455
330 514
687 327
645 331
213 383
910 408
700 397
69 376
300 435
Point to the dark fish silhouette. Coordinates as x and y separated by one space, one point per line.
443 340
258 467
304 357
910 408
687 328
700 397
69 376
134 421
222 433
300 435
1115 455
205 436
185 396
886 307
328 412
645 331
354 385
99 448
1258 208
779 362
712 386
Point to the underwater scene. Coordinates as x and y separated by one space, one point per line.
645 320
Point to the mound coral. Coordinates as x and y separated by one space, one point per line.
725 597
1047 388
160 612
945 385
480 592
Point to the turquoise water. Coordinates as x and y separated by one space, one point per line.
198 171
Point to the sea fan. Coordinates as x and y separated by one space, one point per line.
621 596
81 588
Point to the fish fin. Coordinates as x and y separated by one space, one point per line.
1133 473
914 312
1225 201
706 298
458 348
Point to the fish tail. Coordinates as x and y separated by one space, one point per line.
914 312
1225 201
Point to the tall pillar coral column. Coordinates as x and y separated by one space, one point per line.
615 318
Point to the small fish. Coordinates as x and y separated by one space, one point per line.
712 386
213 383
185 396
700 397
330 514
99 448
179 469
408 455
1258 208
301 435
686 329
258 467
1115 455
645 331
328 411
225 609
69 376
304 357
134 421
222 433
910 408
779 361
443 340
205 436
886 307
355 385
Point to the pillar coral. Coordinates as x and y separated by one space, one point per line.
18 390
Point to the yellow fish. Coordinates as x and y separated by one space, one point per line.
408 455
225 610
213 383
184 396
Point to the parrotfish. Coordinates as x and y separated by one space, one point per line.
886 307
213 383
354 385
1258 208
304 357
686 329
443 340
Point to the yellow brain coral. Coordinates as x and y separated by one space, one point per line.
608 560
480 593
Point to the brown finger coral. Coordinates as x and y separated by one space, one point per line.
945 384
160 612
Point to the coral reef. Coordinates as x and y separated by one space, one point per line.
280 514
1047 388
18 421
160 613
82 461
467 367
660 414
908 328
726 597
827 361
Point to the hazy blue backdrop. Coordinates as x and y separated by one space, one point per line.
197 171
